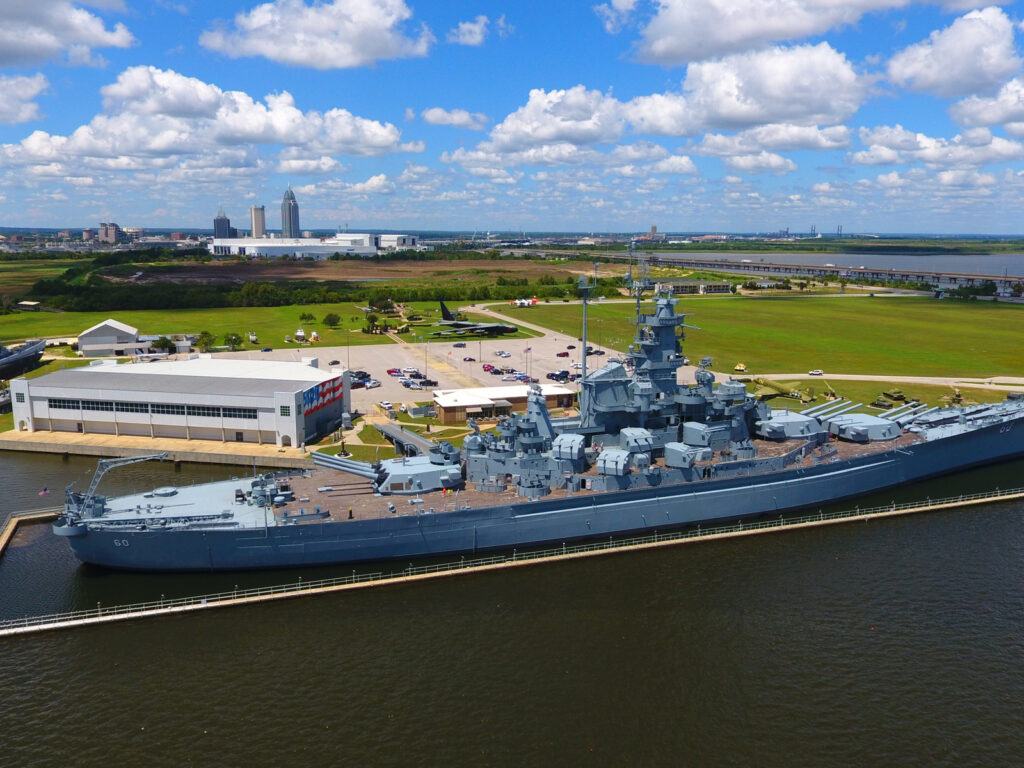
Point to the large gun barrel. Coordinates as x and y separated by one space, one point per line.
353 467
816 409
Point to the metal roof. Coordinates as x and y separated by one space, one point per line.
181 377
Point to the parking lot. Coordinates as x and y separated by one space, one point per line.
443 362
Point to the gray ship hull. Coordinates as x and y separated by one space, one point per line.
547 521
21 359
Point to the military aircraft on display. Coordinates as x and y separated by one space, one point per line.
523 302
469 327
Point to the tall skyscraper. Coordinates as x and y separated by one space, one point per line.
221 225
289 215
258 220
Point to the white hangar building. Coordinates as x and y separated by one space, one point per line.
112 337
202 398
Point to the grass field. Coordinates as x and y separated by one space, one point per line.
866 391
16 277
271 324
914 336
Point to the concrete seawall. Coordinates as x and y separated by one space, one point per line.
243 454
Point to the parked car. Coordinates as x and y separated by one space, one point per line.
410 369
394 372
495 372
417 375
372 383
360 375
570 346
597 352
357 384
488 367
459 345
385 404
816 372
510 377
415 385
562 354
469 359
267 349
334 362
428 383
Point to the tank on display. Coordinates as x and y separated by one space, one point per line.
645 453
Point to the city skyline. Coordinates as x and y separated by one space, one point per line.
705 115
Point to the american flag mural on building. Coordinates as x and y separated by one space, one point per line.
315 398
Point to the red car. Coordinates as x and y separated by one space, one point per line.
562 354
394 372
488 367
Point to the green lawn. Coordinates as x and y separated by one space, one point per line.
271 324
866 391
915 336
18 276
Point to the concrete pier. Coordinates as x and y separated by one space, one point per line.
196 451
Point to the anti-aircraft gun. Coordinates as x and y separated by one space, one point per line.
957 398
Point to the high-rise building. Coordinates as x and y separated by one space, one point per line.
221 224
289 215
110 233
258 220
88 234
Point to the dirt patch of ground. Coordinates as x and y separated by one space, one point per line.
322 271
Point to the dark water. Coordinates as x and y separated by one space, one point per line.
886 643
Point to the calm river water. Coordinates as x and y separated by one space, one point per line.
886 643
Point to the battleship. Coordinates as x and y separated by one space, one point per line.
643 453
20 359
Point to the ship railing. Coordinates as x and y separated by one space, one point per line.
503 558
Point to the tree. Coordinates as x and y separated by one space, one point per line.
306 317
164 344
204 341
233 340
331 319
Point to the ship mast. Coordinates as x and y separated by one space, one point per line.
585 285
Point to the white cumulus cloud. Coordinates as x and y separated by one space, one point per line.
160 119
762 162
682 31
802 85
469 32
16 98
1006 107
973 54
575 115
34 31
328 35
459 118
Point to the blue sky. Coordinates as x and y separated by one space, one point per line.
695 115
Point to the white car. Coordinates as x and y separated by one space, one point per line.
385 404
415 385
372 383
577 366
816 372
510 377
410 370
